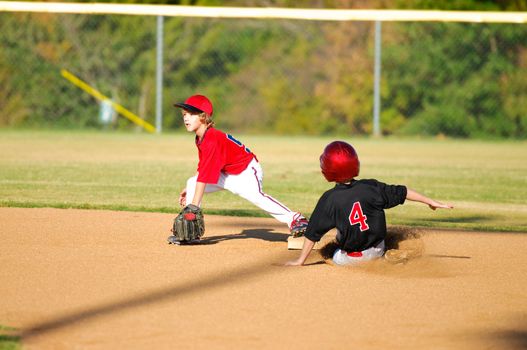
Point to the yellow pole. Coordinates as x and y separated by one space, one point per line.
95 93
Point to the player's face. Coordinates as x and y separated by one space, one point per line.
192 121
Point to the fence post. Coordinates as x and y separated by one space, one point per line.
159 75
377 81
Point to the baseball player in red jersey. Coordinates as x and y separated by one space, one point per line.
355 208
225 163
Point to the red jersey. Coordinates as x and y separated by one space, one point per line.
219 152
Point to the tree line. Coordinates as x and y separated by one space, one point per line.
279 76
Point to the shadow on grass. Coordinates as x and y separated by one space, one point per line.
255 213
459 219
261 233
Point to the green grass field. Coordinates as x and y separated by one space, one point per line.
7 341
485 180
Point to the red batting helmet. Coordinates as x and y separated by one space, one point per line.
197 103
339 162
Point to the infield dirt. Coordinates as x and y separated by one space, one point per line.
89 279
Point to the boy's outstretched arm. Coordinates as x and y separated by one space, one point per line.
198 195
306 250
183 195
418 197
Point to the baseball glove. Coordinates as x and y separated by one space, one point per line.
188 226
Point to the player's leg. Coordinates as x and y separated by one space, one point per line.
248 184
191 187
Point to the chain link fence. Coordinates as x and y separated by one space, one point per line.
272 76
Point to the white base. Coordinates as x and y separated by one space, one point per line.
297 243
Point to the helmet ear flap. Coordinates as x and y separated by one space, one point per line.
339 162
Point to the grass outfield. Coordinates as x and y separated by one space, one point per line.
7 341
485 180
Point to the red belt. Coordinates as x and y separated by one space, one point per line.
355 254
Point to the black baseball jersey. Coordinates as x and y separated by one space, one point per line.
357 211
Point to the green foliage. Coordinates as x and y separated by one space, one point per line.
468 95
12 108
280 76
464 5
120 68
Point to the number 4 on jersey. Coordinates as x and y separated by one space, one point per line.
358 217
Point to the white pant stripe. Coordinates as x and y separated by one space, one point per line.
249 185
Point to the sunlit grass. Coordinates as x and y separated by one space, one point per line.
8 341
485 180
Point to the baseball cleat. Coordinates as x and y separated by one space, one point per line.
174 240
299 226
396 256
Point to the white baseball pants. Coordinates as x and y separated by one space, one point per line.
249 185
340 257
